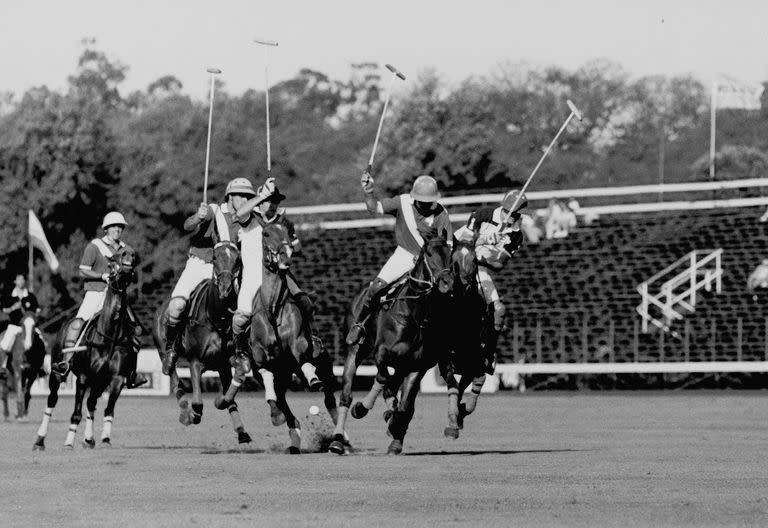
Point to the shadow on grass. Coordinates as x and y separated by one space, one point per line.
489 452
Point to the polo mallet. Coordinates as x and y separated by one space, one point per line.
574 112
267 44
395 73
213 72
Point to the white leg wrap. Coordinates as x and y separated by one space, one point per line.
43 430
269 384
370 398
106 430
70 441
341 421
309 371
89 427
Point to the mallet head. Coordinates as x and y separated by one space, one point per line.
575 110
395 71
213 70
265 42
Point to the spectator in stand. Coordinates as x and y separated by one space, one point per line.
758 280
559 220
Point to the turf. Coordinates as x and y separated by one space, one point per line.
661 459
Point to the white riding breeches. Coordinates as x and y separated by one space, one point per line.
196 270
400 263
252 255
92 303
9 337
486 285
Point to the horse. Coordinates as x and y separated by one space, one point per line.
469 339
25 363
102 358
278 341
400 335
205 340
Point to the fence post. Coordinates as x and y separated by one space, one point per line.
538 340
693 278
662 338
561 346
644 309
687 341
719 268
636 340
712 338
739 337
611 342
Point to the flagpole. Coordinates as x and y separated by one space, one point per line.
30 273
712 117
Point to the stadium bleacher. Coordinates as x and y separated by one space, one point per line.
573 299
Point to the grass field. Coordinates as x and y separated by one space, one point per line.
618 459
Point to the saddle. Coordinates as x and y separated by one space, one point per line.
389 295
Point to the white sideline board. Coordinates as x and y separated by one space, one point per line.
147 362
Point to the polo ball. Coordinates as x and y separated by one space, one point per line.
314 410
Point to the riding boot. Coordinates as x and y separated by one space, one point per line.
135 379
307 309
171 355
368 306
70 340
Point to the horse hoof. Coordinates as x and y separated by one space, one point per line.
316 385
336 447
89 443
22 419
243 438
395 448
275 414
293 450
451 432
106 442
388 415
196 418
39 444
359 410
220 403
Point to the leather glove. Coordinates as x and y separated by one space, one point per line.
202 212
366 181
267 189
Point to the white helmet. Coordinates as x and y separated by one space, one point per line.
113 218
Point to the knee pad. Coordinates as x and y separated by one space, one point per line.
499 310
176 307
240 322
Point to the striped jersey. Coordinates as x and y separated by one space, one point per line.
208 233
486 221
96 257
411 227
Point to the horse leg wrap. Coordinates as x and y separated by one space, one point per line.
499 311
43 430
370 399
106 429
89 426
269 384
70 441
341 420
309 371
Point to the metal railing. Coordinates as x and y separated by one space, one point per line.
676 296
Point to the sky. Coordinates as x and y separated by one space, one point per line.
41 40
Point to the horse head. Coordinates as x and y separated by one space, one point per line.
277 248
464 262
437 261
226 267
122 268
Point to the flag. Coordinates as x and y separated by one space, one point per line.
38 239
732 93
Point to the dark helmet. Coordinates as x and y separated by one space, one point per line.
514 199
